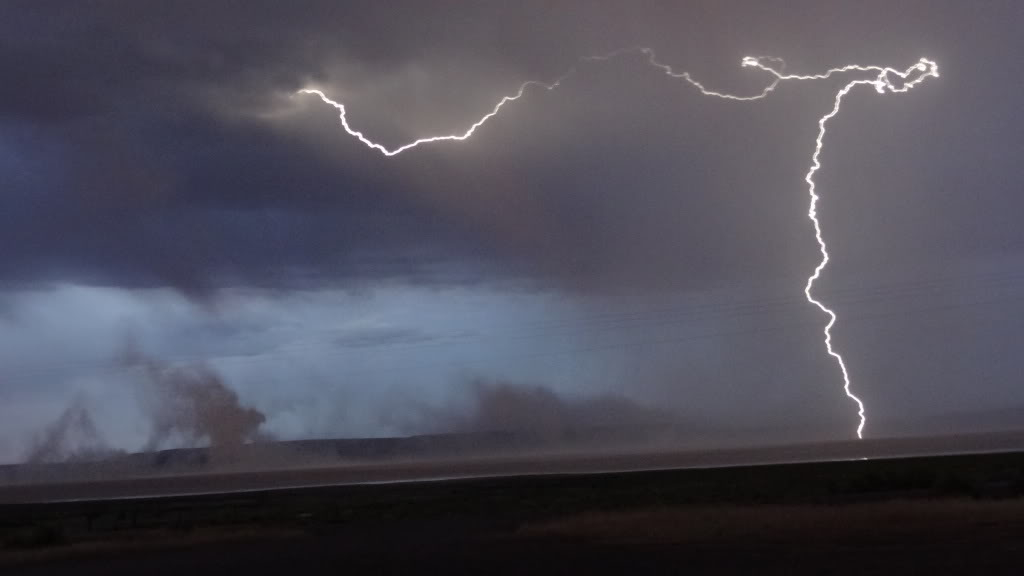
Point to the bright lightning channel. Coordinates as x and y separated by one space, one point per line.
925 68
885 79
458 137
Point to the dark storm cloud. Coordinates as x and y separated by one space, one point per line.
150 184
152 150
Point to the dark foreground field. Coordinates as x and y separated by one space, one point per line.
941 515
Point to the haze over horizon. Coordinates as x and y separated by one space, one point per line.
191 254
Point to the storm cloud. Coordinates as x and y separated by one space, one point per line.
163 145
621 236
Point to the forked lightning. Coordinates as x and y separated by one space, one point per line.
884 80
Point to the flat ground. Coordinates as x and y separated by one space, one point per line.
947 537
948 515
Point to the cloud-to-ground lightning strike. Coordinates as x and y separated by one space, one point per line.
881 82
885 79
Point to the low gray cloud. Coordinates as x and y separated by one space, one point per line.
380 336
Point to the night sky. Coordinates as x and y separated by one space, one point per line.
619 251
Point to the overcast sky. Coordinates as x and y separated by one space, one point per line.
166 192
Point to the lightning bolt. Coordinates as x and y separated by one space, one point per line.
458 137
881 82
884 80
429 139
